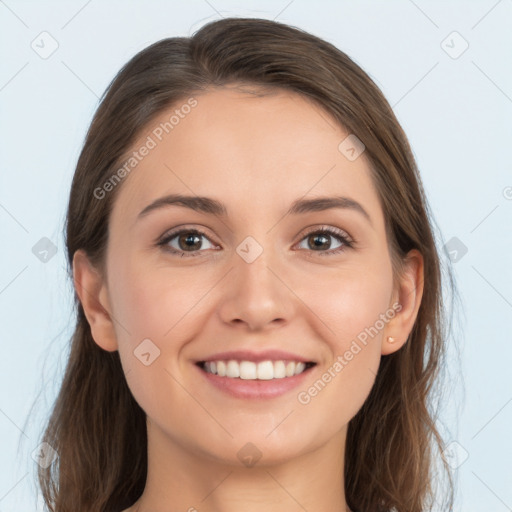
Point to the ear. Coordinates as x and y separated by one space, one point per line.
408 295
92 292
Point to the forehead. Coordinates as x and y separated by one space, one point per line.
239 147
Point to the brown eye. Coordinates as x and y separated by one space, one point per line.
185 241
189 241
321 239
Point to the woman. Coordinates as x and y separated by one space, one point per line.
258 290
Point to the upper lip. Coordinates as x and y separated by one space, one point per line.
247 355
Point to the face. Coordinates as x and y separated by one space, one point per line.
250 284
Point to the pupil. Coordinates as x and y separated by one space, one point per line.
188 237
320 236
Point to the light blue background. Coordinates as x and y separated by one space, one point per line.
456 113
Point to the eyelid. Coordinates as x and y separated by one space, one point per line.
164 239
311 229
348 242
346 239
326 227
184 227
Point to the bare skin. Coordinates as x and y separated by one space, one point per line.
256 155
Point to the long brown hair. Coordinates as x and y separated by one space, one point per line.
96 426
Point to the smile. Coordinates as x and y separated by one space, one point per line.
249 370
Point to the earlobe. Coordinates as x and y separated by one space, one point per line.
92 292
409 297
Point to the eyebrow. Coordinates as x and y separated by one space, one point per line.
213 207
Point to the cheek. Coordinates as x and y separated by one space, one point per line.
159 305
353 315
153 302
353 301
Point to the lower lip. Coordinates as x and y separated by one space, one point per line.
255 389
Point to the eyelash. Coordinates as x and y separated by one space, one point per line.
334 232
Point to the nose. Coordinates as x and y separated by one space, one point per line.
255 295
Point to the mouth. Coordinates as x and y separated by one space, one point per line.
255 371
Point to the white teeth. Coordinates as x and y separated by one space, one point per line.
299 368
221 368
265 370
279 370
232 369
249 370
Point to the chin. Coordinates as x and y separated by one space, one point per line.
255 449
